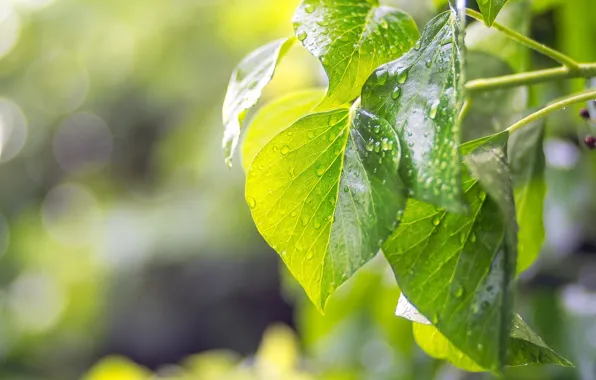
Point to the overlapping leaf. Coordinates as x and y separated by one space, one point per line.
325 193
420 95
490 9
351 38
527 167
525 347
456 268
244 91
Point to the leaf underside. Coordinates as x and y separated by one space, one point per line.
420 95
245 88
351 38
490 9
456 268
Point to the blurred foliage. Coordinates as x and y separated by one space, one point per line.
122 233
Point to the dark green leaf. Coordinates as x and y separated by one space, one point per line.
351 38
274 118
525 347
325 194
456 269
244 91
420 95
490 9
526 156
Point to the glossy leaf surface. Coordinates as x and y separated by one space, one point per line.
246 85
490 9
274 118
525 347
325 193
456 268
420 95
351 38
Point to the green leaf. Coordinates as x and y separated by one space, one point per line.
526 156
490 9
246 85
351 38
421 96
275 117
325 194
456 269
525 347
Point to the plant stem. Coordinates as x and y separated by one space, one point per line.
532 44
584 70
574 99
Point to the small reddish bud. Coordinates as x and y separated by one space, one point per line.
590 142
585 114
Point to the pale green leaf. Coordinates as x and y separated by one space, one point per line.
526 156
490 9
325 194
246 85
274 118
456 268
421 96
351 38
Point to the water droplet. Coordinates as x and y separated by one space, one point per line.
309 8
285 150
301 35
377 147
458 291
323 22
370 145
433 110
304 220
320 170
402 77
436 220
418 45
309 256
480 347
317 225
396 93
462 238
382 76
429 63
435 319
346 189
473 237
252 203
386 144
475 308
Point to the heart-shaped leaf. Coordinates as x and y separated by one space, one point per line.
351 38
421 96
325 194
456 269
490 9
244 91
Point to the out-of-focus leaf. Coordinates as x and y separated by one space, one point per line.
325 194
456 269
351 38
420 95
117 368
480 38
490 9
526 157
244 91
274 118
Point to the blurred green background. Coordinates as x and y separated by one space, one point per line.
127 251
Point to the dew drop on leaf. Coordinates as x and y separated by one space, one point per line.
433 110
285 150
382 76
252 203
346 189
301 36
458 291
320 170
436 220
402 77
309 8
396 93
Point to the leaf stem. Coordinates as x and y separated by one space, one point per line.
532 44
561 104
584 70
